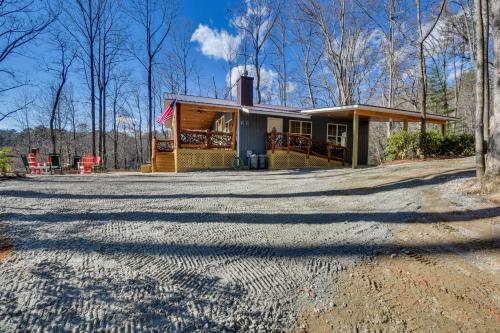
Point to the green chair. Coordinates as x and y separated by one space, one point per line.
76 160
102 165
25 163
55 163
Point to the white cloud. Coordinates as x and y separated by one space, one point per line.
218 44
268 78
291 87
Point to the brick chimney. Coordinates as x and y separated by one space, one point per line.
245 90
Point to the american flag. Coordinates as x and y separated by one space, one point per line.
167 114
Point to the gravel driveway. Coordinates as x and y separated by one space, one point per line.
206 251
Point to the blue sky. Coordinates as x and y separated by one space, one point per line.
30 64
210 19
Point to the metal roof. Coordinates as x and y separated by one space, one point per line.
298 112
202 100
376 109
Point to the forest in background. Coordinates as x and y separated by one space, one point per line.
102 83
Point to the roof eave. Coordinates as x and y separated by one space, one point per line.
275 113
375 109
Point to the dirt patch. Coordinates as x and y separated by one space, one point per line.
411 292
450 282
5 246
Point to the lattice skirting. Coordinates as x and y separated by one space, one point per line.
203 159
293 160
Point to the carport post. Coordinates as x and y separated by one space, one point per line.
355 140
405 125
443 129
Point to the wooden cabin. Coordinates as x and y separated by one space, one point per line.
210 133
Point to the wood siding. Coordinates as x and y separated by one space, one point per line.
253 129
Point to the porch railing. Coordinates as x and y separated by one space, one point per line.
206 139
163 146
304 144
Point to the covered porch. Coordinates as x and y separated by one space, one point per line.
358 113
201 137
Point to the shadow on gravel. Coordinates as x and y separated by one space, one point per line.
408 183
239 250
257 218
96 301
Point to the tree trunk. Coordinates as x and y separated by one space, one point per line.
486 25
115 134
492 178
55 105
257 77
100 120
423 99
392 10
150 109
480 165
104 84
92 95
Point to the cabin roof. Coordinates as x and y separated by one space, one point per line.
376 112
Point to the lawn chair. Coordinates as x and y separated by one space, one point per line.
76 161
55 163
100 164
34 167
86 166
97 163
26 165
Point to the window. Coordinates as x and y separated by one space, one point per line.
301 127
228 126
219 124
336 134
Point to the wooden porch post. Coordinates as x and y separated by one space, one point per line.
405 125
153 155
208 139
355 140
177 125
235 123
443 129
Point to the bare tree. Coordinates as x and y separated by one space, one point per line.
257 22
492 182
346 47
110 39
280 41
422 37
480 86
21 22
155 17
486 73
117 104
388 28
308 54
85 18
61 69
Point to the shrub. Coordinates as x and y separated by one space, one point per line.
4 160
401 145
458 145
405 145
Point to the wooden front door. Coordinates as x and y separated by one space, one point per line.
274 124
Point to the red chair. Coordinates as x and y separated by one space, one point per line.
97 162
34 167
86 166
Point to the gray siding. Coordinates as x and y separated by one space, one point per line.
253 128
252 134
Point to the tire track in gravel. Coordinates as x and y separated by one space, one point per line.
151 253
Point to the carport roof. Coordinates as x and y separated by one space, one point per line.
376 113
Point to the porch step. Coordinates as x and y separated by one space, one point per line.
165 162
